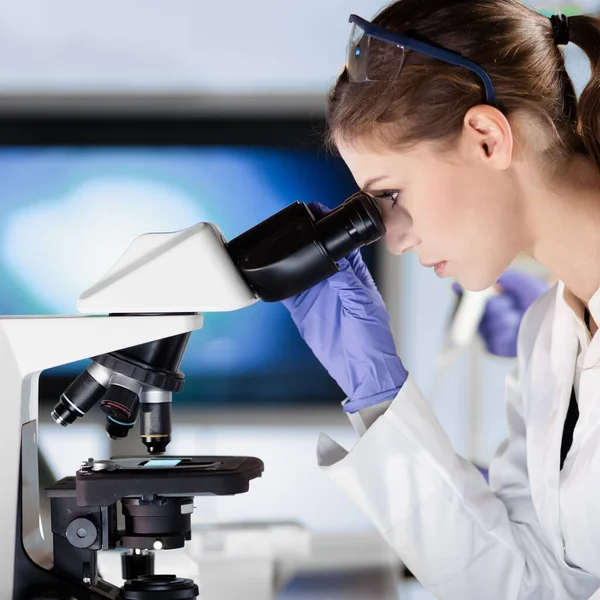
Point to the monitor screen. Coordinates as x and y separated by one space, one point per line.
68 211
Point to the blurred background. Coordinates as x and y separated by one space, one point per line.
119 118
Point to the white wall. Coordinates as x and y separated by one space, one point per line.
225 47
183 46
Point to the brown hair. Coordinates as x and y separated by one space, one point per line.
428 101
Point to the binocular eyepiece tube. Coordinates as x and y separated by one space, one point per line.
291 251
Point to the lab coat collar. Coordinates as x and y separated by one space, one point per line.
594 306
577 307
567 325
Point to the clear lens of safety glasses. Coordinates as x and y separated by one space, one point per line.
370 59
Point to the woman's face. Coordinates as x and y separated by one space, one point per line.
457 212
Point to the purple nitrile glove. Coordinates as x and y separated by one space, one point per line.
484 471
499 326
345 323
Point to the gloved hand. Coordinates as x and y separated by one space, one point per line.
499 326
345 323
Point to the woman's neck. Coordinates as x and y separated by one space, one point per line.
563 218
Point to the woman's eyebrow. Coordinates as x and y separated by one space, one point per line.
371 182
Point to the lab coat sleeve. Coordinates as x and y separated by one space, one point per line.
364 418
462 539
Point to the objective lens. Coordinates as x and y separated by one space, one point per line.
156 427
85 391
155 422
121 407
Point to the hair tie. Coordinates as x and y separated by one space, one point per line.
560 28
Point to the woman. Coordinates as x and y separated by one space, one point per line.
460 118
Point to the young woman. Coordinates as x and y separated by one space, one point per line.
460 118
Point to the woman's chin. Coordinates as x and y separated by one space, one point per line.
473 284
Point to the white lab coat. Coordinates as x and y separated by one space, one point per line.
534 533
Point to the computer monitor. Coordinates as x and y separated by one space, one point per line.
76 191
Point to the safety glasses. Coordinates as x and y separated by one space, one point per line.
366 62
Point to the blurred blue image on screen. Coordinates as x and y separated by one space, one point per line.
68 213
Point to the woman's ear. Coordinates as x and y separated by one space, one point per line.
487 136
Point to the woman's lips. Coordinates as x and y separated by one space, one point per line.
440 267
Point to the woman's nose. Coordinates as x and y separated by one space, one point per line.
400 236
399 244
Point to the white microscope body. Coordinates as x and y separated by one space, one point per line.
156 276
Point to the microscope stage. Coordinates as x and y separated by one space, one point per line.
100 483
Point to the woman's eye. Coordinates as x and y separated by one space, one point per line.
391 195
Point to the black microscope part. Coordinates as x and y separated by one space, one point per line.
135 563
155 426
291 251
354 224
164 354
159 517
193 476
121 406
159 587
157 506
154 363
81 395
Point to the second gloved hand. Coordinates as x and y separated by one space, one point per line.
345 323
499 326
501 320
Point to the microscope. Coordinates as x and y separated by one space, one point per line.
134 325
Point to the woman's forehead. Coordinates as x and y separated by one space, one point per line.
371 167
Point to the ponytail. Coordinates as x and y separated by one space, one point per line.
584 31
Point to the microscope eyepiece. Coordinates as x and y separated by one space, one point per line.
354 224
291 251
